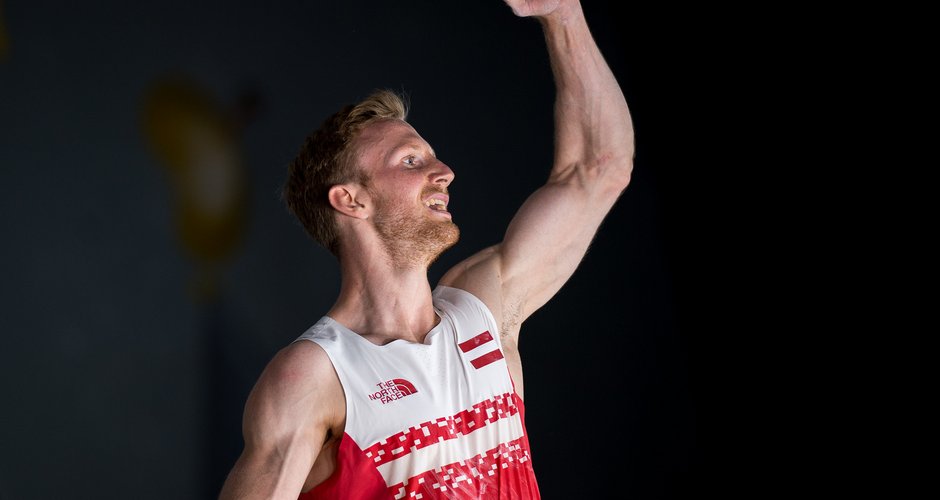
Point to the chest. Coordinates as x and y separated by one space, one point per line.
462 373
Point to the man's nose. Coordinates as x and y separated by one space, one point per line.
442 174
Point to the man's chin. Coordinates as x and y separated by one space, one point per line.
416 242
447 235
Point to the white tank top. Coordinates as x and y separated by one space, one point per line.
434 420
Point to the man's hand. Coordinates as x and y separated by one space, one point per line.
538 8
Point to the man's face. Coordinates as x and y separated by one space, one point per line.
408 187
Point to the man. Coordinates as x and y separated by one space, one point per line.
402 391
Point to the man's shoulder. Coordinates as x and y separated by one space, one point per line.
464 308
480 277
298 391
454 296
298 368
468 273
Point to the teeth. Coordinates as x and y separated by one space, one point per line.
435 202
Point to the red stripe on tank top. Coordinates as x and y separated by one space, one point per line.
442 429
503 472
474 342
494 355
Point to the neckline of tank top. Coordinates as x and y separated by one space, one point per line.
428 339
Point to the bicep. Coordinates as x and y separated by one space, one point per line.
549 236
545 242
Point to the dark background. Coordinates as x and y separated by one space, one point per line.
119 379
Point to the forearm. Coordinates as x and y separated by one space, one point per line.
246 481
264 476
593 128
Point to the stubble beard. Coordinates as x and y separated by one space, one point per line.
410 240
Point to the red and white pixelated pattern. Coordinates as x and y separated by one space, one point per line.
442 429
503 472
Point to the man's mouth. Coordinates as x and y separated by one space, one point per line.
438 203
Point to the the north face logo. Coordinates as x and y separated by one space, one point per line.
390 390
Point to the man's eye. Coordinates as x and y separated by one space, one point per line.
411 160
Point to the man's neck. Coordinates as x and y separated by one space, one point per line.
384 303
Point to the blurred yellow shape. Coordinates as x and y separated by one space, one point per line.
197 143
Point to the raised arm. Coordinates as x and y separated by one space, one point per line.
594 150
294 408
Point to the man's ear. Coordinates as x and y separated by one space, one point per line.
351 200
